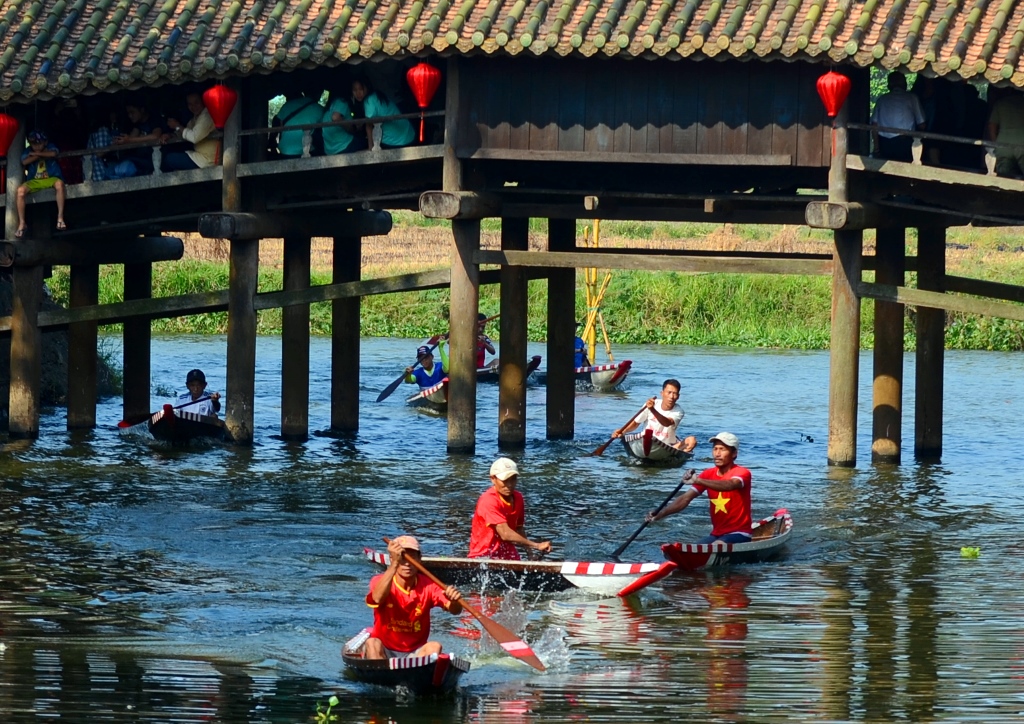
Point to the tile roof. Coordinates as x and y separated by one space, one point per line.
67 47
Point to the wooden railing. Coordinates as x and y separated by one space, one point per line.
917 148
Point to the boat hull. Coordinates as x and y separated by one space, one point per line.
437 673
770 537
180 426
491 374
542 576
649 450
435 398
598 378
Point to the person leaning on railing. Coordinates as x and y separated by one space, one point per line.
1006 125
144 129
896 109
395 133
196 132
341 139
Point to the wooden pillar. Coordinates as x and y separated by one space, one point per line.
465 299
295 343
244 256
26 352
887 389
345 334
844 357
931 341
561 394
138 284
82 338
515 236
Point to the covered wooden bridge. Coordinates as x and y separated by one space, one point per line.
612 109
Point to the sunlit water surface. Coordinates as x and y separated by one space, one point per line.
141 583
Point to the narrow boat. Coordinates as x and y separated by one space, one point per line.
769 538
598 378
490 374
543 576
437 673
649 450
180 426
435 397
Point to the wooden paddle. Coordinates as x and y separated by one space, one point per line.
142 418
513 645
686 479
601 448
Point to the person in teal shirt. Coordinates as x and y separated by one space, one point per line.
298 110
341 139
394 134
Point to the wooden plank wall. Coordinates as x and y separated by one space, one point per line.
640 106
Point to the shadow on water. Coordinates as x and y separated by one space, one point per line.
144 583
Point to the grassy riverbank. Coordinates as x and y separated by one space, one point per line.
640 307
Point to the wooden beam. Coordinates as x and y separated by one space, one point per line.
844 350
459 205
347 267
295 343
605 157
269 225
935 174
983 288
656 262
515 235
465 298
139 250
887 385
82 338
940 300
231 187
26 353
612 210
561 393
851 216
241 340
137 335
930 354
341 160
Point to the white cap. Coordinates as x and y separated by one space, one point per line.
727 439
503 469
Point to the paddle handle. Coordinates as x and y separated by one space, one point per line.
618 551
193 402
423 569
601 448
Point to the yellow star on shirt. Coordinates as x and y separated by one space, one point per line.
721 503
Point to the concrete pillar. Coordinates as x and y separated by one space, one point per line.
82 338
345 338
844 358
138 284
515 236
295 343
931 342
465 298
561 393
887 390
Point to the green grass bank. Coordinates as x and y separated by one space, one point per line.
640 308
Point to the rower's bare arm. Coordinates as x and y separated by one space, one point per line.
723 485
662 419
510 536
675 506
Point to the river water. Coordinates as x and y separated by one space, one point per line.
141 583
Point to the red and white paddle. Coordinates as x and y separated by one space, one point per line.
513 645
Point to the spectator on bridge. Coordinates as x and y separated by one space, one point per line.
395 133
41 172
144 129
69 133
299 110
1006 125
901 110
341 139
196 133
105 127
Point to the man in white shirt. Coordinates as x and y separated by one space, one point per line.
901 109
663 417
204 149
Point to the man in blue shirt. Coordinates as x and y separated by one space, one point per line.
42 171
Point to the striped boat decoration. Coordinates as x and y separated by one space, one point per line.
770 536
422 674
412 662
608 569
437 396
597 368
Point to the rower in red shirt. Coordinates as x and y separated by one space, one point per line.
401 601
728 488
499 519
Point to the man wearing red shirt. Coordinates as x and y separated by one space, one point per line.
401 601
499 519
728 488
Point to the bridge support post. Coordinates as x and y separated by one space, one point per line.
26 353
82 338
465 301
138 284
512 371
561 393
844 357
931 341
345 338
887 390
295 343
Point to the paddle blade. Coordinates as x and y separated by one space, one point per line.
390 389
138 420
513 645
599 451
647 579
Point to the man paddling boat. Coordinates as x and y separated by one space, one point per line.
728 488
663 417
401 600
499 521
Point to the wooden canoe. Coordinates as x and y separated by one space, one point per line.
491 374
769 538
435 397
437 673
545 576
597 378
180 426
649 450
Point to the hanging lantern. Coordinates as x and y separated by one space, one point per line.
833 88
424 80
220 101
8 130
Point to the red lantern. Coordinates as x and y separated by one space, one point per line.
424 80
220 101
8 130
833 88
